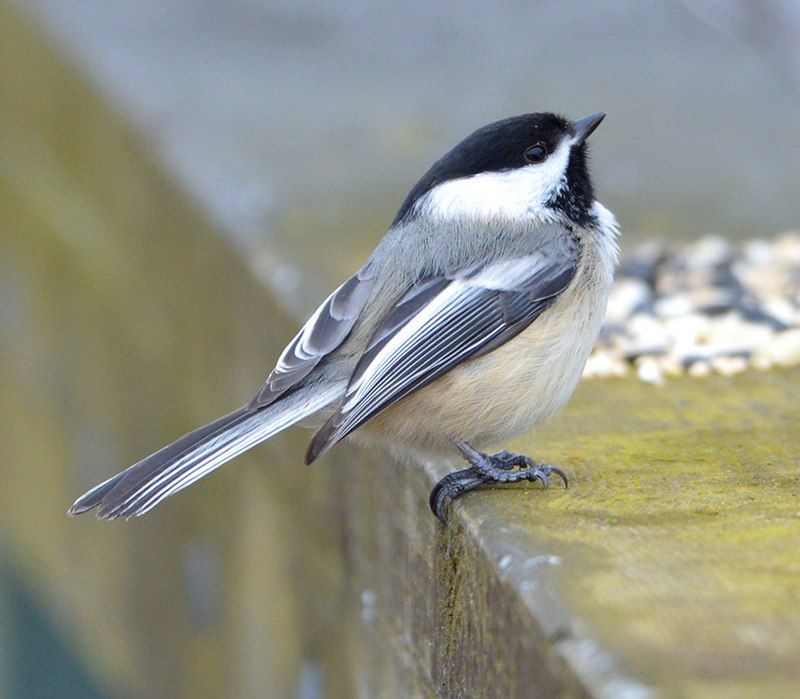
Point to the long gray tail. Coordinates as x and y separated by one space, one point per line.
141 487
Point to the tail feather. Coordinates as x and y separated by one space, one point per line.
142 486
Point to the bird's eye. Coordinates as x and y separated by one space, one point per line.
536 153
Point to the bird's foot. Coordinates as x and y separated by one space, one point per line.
502 467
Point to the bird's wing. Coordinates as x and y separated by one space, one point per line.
323 332
441 322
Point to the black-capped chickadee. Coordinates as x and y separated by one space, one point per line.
470 322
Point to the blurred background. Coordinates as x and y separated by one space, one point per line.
156 155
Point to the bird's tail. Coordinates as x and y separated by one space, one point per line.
141 487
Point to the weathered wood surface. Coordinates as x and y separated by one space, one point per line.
126 321
671 563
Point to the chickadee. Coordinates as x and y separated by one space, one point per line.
470 322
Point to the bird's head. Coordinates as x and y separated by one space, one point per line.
529 166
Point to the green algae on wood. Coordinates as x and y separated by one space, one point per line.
678 541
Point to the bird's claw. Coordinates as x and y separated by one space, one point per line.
560 474
450 487
502 467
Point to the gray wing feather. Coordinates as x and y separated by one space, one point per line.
324 332
440 323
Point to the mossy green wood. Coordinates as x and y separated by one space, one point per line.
127 320
669 565
679 538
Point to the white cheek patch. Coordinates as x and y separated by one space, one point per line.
608 231
522 192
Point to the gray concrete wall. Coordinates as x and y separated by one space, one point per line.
267 104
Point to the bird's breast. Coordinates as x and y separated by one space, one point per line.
517 385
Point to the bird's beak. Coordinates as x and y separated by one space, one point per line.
584 127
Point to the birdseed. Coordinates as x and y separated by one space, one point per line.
710 307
